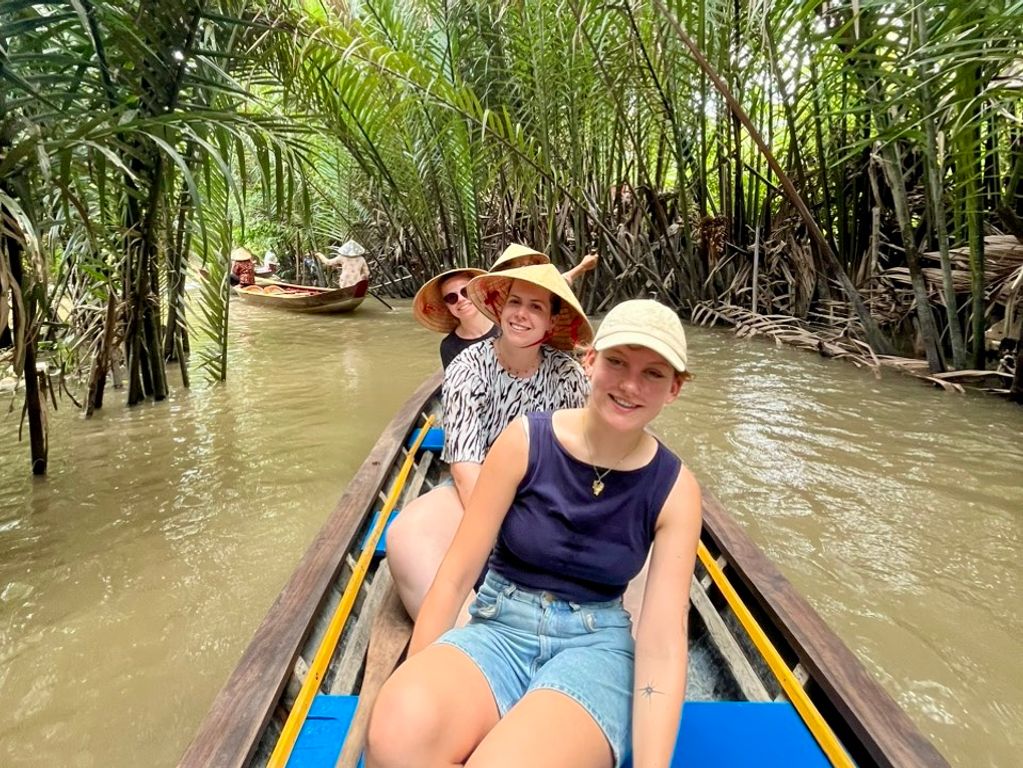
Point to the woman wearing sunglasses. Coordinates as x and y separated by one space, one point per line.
443 305
527 368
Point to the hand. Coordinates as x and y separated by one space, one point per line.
589 262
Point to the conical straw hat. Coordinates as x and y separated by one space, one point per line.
428 306
241 254
351 248
571 328
517 255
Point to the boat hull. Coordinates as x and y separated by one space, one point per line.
725 664
307 299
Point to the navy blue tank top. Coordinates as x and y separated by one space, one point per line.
560 538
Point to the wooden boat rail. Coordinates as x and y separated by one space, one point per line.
887 735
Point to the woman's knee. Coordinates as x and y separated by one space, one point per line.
400 538
404 726
422 532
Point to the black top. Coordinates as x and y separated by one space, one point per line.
452 344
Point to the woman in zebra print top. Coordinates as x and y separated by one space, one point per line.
526 369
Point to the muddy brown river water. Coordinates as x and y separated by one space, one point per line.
132 577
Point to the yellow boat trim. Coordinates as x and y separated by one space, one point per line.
818 726
311 685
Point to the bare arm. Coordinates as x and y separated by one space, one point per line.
661 639
465 474
325 261
588 263
498 478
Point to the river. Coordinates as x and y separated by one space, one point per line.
133 575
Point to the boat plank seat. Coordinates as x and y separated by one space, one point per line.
411 492
725 734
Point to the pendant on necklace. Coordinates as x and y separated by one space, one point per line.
598 487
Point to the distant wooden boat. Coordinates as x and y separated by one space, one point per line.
303 298
769 684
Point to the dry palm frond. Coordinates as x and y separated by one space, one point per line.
1003 264
785 329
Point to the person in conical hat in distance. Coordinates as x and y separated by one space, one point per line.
443 305
518 255
349 262
527 368
243 269
566 508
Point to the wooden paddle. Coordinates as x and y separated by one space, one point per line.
378 298
392 629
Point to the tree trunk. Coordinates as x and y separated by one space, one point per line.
177 260
23 320
969 165
35 406
891 160
933 172
101 362
166 30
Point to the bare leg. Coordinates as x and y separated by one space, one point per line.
547 729
432 713
417 541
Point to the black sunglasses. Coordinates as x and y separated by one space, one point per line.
452 297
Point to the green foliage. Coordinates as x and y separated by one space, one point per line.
140 141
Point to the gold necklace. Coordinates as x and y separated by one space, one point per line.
522 373
598 483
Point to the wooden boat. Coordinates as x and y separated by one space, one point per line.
759 654
303 298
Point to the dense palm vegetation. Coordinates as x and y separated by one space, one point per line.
844 170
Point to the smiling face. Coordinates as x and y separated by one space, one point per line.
630 385
462 309
526 315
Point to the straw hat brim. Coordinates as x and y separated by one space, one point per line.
571 326
518 255
241 254
428 306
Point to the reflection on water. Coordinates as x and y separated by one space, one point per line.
133 576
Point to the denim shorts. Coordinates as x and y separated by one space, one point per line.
525 641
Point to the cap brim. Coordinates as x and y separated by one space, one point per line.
634 338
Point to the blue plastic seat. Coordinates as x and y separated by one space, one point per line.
744 734
323 733
434 440
723 734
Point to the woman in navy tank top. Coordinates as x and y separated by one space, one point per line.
566 508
